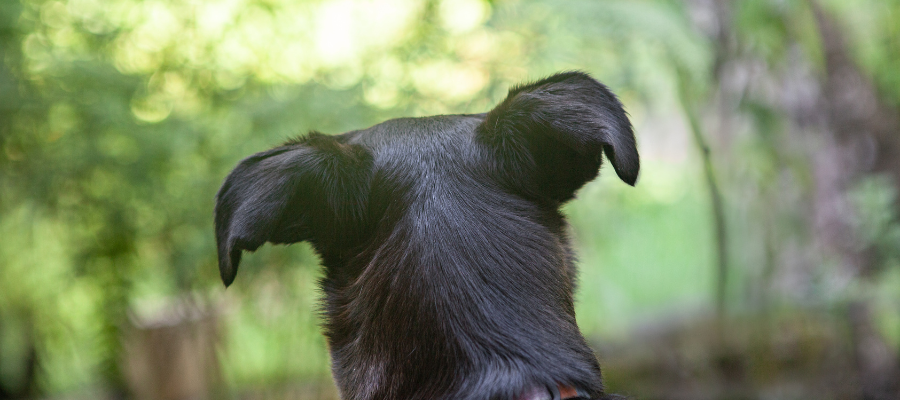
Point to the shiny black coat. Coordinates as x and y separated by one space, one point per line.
448 270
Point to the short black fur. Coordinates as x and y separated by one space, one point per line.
448 271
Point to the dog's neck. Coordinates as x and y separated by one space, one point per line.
448 287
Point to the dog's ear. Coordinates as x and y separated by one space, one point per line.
557 129
308 189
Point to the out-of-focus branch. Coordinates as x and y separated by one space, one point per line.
715 194
720 34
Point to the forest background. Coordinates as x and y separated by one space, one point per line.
757 258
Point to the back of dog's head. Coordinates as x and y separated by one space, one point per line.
448 273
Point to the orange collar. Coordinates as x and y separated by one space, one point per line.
560 392
567 392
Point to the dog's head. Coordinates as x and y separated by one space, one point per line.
441 236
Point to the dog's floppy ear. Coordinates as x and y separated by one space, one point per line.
307 189
560 126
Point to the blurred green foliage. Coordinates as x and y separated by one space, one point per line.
120 118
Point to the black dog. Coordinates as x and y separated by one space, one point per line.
448 271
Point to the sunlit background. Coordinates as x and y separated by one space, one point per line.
757 258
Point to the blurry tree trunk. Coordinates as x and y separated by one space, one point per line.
863 137
171 355
863 124
114 305
15 95
720 233
719 32
723 103
25 360
726 358
724 50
